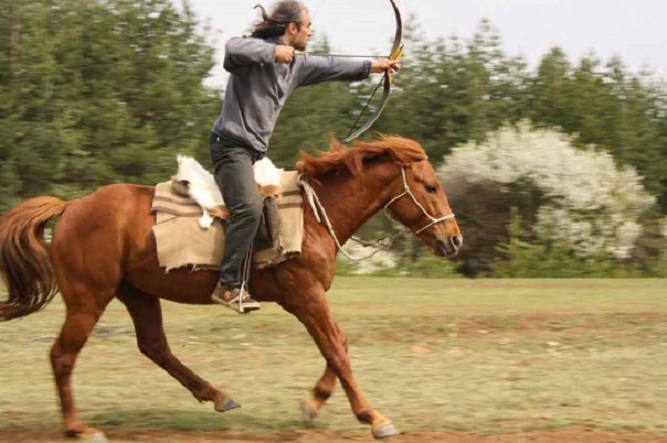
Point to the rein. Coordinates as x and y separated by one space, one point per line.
318 209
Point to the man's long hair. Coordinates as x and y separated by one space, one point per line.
284 12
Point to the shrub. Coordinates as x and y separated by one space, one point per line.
573 199
521 259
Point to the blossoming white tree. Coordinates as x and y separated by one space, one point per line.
586 202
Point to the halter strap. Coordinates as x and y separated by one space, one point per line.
407 191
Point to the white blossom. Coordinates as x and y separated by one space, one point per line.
588 203
381 259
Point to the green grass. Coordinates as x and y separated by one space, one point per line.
432 355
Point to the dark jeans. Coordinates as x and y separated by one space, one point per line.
236 179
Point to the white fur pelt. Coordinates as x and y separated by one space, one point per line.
200 185
266 173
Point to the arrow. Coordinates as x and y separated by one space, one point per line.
302 53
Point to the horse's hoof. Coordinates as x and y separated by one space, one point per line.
308 413
227 405
97 438
88 435
386 430
93 437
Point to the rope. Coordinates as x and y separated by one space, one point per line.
318 208
245 274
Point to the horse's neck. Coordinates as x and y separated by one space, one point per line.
350 201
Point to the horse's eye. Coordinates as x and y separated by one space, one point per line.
430 189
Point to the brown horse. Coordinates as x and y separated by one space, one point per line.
102 247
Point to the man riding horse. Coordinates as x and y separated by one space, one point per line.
103 246
264 70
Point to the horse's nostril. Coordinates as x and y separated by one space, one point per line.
456 241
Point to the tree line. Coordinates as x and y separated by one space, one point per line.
106 91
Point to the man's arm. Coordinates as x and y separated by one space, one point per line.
317 69
240 52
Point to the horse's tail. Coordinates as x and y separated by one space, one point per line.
24 259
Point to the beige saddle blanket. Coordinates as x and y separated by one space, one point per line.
183 242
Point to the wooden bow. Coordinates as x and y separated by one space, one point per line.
387 82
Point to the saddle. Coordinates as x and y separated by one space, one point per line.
190 217
267 233
192 180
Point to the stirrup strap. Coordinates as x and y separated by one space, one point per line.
245 274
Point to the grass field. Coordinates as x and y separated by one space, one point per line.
446 360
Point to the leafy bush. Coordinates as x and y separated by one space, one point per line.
657 266
521 259
575 200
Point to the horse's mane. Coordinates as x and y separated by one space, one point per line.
338 158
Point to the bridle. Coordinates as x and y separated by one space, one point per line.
407 191
321 214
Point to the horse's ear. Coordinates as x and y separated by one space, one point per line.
355 163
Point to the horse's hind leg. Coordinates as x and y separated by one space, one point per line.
80 320
324 386
152 342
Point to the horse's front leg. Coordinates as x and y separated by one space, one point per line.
313 311
323 388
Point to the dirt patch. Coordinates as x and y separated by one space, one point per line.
303 436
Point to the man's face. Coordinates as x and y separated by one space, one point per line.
302 36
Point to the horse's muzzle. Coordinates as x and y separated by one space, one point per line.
449 246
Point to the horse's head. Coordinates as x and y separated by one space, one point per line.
415 197
418 201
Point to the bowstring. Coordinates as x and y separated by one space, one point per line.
375 90
319 8
366 106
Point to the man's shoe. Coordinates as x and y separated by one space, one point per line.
233 299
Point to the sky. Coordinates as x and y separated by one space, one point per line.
634 30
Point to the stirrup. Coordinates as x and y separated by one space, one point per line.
237 299
244 303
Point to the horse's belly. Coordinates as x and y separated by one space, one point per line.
178 285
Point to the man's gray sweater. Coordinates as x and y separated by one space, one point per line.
258 87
